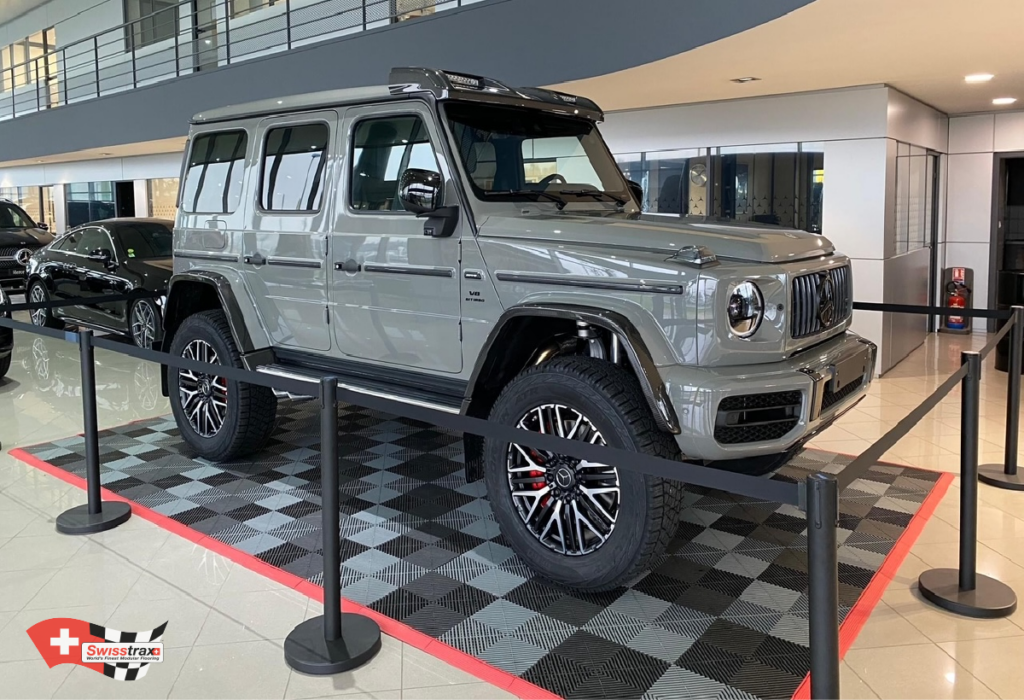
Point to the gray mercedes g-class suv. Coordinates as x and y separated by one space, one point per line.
453 242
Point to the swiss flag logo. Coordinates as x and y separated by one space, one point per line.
60 641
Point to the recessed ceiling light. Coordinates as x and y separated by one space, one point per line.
978 78
747 79
1004 100
106 154
40 161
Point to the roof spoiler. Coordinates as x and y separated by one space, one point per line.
450 84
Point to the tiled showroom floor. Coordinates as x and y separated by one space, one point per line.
229 623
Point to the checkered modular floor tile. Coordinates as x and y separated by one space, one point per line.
724 615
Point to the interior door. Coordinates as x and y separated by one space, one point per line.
205 52
285 250
395 291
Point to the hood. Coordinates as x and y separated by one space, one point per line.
24 237
658 235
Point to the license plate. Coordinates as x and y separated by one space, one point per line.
850 369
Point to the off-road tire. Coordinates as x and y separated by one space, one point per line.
50 321
649 507
5 365
251 409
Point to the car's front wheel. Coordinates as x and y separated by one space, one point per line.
143 323
586 525
5 365
218 418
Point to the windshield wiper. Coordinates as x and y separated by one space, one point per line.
596 194
534 193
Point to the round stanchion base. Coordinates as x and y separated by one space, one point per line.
306 650
989 599
994 475
78 520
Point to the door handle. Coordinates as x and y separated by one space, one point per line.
350 266
254 259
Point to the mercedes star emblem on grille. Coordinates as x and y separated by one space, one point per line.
23 256
827 300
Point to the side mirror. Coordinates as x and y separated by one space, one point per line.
637 191
420 191
103 255
42 227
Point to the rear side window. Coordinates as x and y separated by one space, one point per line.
292 171
213 176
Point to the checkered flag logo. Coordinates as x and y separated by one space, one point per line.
123 656
130 671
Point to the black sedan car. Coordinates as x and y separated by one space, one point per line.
20 237
103 258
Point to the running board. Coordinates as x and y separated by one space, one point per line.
314 381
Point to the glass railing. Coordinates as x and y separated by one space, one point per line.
188 38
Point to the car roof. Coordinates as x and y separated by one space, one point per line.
122 220
411 83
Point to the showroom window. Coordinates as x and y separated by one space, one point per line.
915 191
383 149
163 197
292 171
214 173
31 199
18 60
157 21
240 8
675 182
89 201
756 184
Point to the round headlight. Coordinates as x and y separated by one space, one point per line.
746 309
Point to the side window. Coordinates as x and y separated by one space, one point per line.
68 243
213 175
382 150
92 239
291 174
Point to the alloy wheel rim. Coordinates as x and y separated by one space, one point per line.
569 505
143 325
37 295
204 397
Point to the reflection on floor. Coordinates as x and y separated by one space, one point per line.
726 614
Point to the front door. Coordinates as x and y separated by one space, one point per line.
395 291
285 253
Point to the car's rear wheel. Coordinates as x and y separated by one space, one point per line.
582 524
220 419
41 317
143 323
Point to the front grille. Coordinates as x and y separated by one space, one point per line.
831 398
810 315
7 261
757 417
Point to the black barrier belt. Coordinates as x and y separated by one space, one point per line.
40 330
81 301
869 457
931 310
754 487
995 341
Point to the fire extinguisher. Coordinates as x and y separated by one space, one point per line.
956 298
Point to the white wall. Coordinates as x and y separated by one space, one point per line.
973 141
73 20
131 168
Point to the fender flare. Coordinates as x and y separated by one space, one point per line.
636 349
228 303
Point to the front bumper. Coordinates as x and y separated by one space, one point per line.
822 382
12 279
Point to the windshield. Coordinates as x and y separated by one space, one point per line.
12 216
514 154
146 240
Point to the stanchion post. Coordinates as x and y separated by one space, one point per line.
335 641
964 591
1005 475
94 516
823 592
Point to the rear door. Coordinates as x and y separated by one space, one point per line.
285 251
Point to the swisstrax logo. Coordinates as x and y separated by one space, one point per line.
123 656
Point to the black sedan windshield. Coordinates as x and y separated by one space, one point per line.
145 240
515 154
12 216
